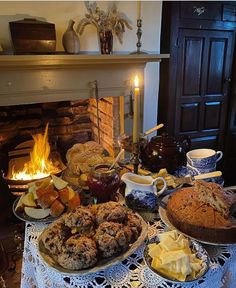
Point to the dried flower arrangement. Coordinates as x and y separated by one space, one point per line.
112 20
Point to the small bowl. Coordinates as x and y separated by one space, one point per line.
201 253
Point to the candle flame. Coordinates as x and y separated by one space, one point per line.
136 82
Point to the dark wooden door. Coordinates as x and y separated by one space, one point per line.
230 147
204 60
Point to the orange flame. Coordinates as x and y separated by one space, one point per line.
39 165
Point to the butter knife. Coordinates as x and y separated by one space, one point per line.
189 179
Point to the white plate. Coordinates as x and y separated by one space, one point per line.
165 219
24 217
101 264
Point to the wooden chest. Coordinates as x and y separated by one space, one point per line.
31 36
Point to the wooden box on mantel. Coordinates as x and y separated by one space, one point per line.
31 36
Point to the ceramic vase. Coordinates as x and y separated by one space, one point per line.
70 39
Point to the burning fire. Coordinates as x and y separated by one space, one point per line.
40 165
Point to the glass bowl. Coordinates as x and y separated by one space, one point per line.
198 249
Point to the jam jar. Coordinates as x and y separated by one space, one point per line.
103 183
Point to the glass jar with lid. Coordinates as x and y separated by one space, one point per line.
103 183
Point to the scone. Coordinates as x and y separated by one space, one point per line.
80 221
54 237
110 238
80 252
111 211
133 223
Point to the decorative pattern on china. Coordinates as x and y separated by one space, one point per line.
131 272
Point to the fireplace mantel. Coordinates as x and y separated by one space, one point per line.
28 79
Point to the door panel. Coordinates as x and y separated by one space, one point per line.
189 117
212 115
204 142
216 61
203 64
192 66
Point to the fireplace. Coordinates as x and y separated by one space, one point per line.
59 89
70 122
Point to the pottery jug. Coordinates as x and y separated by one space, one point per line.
165 152
70 39
141 191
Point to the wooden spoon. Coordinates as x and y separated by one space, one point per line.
116 159
159 126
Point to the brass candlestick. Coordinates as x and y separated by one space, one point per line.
135 157
139 35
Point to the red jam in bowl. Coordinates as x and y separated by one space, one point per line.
103 183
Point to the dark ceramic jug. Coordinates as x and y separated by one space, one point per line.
164 152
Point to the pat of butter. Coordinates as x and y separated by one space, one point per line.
173 256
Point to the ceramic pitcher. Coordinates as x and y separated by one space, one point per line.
141 191
70 39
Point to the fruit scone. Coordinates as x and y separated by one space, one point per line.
83 236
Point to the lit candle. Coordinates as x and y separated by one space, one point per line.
138 9
136 110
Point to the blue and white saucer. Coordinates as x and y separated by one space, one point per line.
191 171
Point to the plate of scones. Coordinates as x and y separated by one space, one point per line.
91 238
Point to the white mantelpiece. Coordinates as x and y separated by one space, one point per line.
27 79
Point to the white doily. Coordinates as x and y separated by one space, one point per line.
132 272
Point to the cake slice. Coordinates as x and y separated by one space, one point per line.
190 215
215 196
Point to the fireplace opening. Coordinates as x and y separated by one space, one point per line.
69 123
38 163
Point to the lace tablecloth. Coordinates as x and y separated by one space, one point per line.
132 272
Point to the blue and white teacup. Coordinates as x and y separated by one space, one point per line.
204 160
196 171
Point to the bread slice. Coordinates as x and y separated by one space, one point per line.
57 208
46 200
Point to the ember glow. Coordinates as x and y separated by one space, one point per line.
40 165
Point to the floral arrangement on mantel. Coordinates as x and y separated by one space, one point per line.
107 23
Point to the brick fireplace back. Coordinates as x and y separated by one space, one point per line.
70 122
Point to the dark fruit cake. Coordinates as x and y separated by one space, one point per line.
191 213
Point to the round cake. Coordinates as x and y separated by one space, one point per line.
190 215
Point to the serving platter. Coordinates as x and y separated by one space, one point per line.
200 252
21 215
101 264
167 222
